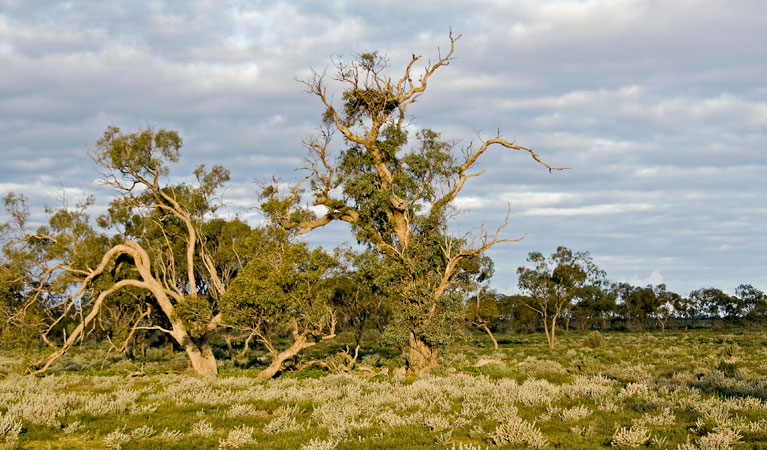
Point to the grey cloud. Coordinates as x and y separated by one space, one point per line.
659 108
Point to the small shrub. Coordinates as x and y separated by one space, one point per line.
730 370
630 437
9 428
722 439
515 430
73 427
320 444
203 428
468 446
238 437
116 439
593 339
142 432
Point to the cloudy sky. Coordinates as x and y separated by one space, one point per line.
659 108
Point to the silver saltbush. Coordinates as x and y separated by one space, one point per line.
630 437
515 430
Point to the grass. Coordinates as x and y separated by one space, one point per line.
679 390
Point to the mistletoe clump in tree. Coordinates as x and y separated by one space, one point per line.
396 196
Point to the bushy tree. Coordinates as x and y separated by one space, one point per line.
754 303
665 301
716 304
286 291
593 304
360 291
44 266
515 313
553 282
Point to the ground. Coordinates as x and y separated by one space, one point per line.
678 390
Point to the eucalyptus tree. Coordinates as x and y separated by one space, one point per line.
754 304
515 313
360 291
482 307
641 304
552 283
41 266
25 278
664 306
715 303
159 249
593 303
286 291
395 194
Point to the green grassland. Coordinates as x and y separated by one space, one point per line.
697 389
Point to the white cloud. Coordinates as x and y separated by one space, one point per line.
654 279
659 108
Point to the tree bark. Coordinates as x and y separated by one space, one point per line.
201 357
490 333
553 331
421 357
229 349
278 359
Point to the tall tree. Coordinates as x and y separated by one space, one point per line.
397 198
513 311
553 282
593 304
664 305
161 247
754 303
715 303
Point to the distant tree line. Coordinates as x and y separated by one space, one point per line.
568 288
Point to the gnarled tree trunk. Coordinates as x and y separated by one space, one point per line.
421 357
201 357
278 359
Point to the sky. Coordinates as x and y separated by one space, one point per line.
658 107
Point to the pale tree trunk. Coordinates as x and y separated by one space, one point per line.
421 357
279 358
201 357
550 332
546 330
553 331
246 347
490 333
229 349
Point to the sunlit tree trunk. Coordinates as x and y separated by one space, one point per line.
421 357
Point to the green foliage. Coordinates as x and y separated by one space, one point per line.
196 313
359 285
729 370
144 153
574 399
286 286
515 313
593 339
552 283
